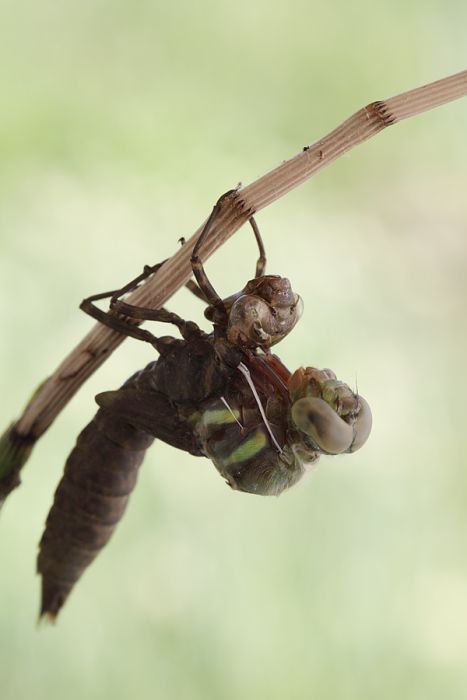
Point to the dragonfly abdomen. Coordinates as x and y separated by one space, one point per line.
91 498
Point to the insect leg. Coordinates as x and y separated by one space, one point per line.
205 288
261 262
110 319
87 304
194 289
126 328
134 314
205 285
142 313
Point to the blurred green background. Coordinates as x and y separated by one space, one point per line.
120 124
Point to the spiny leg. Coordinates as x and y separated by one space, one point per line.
88 306
194 289
261 262
204 291
142 313
205 286
134 314
191 284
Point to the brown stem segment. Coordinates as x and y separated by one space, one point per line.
100 342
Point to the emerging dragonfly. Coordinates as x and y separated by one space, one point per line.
221 395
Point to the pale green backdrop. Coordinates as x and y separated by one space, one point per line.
120 124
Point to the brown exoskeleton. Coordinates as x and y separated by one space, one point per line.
221 395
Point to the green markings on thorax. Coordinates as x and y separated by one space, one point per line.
219 416
235 447
249 448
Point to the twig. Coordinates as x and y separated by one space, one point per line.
55 392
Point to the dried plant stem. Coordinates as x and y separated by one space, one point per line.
100 342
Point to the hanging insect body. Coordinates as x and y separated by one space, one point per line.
222 395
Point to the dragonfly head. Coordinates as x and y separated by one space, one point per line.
261 314
327 411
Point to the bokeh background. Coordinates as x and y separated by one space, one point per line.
120 124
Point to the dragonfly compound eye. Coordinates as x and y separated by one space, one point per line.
326 428
362 425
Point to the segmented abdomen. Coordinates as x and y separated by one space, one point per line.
99 476
101 471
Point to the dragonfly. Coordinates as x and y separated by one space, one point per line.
222 395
